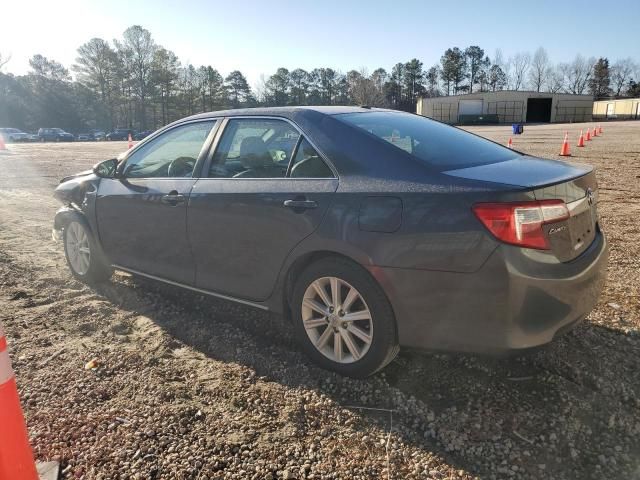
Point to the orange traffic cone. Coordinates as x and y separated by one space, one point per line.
588 136
600 129
595 132
510 143
16 458
564 151
3 147
130 141
581 140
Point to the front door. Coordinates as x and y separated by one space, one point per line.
267 189
141 215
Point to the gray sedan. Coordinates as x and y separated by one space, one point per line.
368 229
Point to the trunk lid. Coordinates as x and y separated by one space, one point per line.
573 236
550 180
522 171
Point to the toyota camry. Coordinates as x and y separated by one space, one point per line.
367 229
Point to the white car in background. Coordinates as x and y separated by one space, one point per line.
13 135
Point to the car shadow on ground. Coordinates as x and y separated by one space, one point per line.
535 410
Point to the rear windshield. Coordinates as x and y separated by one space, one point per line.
439 145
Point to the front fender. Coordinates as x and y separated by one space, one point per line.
64 216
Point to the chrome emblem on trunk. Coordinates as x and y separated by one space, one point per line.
557 229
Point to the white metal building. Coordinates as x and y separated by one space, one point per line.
620 109
508 106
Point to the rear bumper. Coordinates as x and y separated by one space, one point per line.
519 299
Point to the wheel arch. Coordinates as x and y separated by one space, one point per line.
67 214
303 261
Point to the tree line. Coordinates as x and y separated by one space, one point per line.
134 82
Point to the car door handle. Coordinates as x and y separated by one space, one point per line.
172 198
300 204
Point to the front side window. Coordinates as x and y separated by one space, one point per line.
172 154
254 148
440 146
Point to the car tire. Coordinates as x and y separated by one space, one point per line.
365 329
84 258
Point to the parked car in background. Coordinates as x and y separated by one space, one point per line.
33 137
143 134
368 229
13 135
99 135
54 135
86 137
120 134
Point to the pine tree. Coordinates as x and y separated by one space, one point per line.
600 79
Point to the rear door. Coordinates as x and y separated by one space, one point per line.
142 215
267 188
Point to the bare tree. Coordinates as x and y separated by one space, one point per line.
4 59
498 58
496 78
520 62
578 74
363 89
507 68
556 78
539 73
621 73
260 87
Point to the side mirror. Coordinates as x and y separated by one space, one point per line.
106 169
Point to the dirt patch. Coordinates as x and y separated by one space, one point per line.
191 387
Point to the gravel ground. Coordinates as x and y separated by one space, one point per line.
186 387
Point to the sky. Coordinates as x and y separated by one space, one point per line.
257 37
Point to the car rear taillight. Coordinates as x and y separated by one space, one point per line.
521 223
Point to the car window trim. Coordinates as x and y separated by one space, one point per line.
168 128
223 126
293 156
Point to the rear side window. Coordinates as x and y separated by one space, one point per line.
441 146
254 148
307 163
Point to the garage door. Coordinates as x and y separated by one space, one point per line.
610 110
470 107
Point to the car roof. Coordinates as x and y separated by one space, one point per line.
286 112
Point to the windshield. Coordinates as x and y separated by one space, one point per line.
439 145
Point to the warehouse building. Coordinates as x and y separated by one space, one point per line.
507 107
621 109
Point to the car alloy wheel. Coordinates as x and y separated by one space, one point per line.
78 248
337 320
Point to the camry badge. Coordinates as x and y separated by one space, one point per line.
557 229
